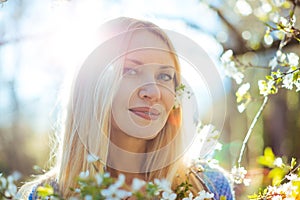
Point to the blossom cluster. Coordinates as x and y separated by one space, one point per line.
103 186
8 188
238 176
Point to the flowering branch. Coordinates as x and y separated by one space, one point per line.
251 128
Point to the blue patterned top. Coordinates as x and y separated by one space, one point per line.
214 181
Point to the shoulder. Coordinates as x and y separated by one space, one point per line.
214 179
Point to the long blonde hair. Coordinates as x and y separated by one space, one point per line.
87 123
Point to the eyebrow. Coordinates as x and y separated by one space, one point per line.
141 63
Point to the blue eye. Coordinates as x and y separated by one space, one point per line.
129 71
165 77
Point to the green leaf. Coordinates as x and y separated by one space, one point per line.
293 163
269 77
296 76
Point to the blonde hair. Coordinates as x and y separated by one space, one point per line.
87 124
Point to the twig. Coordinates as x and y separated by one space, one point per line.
251 128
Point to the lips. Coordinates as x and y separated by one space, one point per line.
145 112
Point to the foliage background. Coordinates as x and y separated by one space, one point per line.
37 52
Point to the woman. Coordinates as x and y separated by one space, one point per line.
121 111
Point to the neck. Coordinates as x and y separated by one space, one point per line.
126 155
126 142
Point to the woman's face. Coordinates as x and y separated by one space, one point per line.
146 93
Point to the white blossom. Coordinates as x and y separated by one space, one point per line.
280 56
292 177
238 175
238 77
88 197
227 56
278 3
99 179
163 184
273 63
266 88
284 21
168 196
77 190
241 108
278 162
190 197
297 84
230 68
274 16
293 59
92 158
204 195
84 175
137 184
287 81
113 192
243 89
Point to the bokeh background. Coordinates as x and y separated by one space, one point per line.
43 42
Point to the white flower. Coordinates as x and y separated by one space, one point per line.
163 184
278 3
287 81
190 197
280 56
218 146
243 89
113 191
247 181
77 190
99 179
204 195
268 39
92 158
3 182
277 198
227 56
278 162
120 181
84 175
292 177
208 137
293 59
168 196
88 197
241 107
238 175
266 88
297 84
137 184
273 63
284 21
285 190
238 77
12 188
230 68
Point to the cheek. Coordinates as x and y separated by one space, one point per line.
123 94
169 99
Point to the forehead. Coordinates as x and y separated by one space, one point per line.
149 48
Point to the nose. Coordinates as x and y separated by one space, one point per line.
150 92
